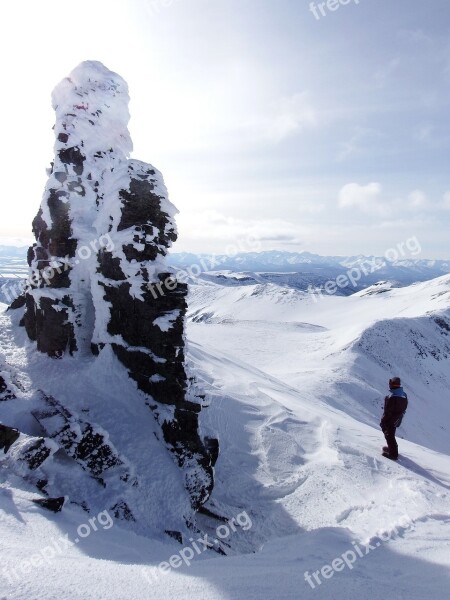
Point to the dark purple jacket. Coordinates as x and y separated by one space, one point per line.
395 406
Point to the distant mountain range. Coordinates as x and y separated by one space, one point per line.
294 262
303 269
299 270
18 251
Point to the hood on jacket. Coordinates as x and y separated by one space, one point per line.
398 392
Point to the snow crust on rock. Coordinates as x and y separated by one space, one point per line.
90 174
94 96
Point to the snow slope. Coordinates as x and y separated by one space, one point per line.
342 349
294 387
100 391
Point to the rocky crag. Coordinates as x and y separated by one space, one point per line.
100 283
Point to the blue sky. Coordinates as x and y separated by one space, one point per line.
329 135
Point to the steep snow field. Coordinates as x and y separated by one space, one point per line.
341 350
295 388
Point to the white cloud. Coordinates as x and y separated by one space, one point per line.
446 201
371 200
287 117
366 198
360 143
349 148
295 113
418 199
221 231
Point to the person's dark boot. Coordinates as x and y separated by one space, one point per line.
385 449
387 455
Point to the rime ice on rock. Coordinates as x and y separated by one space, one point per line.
91 149
102 232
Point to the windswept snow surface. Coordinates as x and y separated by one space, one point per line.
295 389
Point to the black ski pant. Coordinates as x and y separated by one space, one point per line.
389 434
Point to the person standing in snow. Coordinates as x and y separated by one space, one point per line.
395 405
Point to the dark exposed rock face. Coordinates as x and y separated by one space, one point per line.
5 390
146 323
46 322
81 441
53 504
27 456
102 233
88 446
6 387
8 435
36 454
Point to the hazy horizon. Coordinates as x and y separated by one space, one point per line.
402 256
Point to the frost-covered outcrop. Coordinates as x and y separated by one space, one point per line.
89 168
102 233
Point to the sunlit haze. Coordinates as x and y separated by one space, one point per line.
324 134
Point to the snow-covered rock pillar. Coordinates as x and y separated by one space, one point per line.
140 312
102 234
92 140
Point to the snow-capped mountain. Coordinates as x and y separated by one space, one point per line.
395 265
301 270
